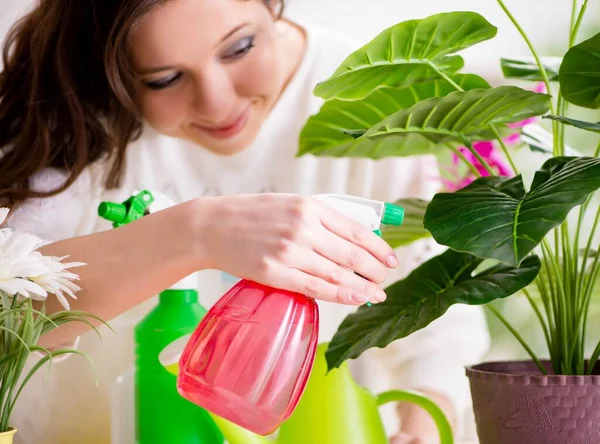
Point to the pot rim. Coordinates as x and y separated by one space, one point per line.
9 432
480 373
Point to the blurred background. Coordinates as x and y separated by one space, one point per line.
546 22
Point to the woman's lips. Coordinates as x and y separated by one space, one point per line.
229 130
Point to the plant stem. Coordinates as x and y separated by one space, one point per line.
505 150
481 160
591 282
546 299
597 151
567 277
445 76
531 48
518 337
562 304
593 360
586 252
457 87
559 130
575 29
462 157
573 19
575 252
540 318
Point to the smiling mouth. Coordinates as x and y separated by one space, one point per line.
230 129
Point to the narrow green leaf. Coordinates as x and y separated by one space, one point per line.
425 295
412 228
581 124
526 68
580 74
340 123
495 218
43 361
59 318
405 53
16 335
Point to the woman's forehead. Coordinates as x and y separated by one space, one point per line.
169 31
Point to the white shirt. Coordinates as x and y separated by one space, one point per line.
64 406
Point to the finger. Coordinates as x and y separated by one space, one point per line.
351 256
358 234
312 286
319 266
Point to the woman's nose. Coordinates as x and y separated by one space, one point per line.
214 96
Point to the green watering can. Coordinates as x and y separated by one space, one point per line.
335 409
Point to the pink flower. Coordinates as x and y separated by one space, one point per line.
460 175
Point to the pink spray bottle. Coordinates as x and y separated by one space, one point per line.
249 359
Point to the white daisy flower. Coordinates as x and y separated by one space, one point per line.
24 271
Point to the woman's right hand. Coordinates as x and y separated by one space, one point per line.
293 243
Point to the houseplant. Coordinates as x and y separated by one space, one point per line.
26 275
403 94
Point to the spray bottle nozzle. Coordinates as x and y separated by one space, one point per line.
392 215
122 213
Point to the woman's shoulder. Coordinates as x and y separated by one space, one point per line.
58 216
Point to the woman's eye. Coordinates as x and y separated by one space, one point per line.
163 83
239 49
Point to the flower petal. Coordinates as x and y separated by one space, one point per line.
23 287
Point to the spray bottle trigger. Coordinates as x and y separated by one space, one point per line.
132 209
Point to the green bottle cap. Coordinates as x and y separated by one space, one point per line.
393 215
123 213
114 212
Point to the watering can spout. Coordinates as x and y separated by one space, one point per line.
235 434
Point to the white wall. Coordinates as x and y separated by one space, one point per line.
546 25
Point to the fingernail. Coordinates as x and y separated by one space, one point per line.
380 296
392 261
361 298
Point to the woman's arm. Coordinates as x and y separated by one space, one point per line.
285 241
125 266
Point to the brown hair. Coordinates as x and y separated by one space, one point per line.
67 92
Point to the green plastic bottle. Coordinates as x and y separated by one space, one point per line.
163 416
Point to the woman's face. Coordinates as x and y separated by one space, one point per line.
208 71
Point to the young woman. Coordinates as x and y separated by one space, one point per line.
201 100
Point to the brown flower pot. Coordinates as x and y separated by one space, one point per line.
515 404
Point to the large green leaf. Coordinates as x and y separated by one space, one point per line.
527 69
424 296
406 53
581 124
453 118
412 228
332 130
580 74
463 115
495 218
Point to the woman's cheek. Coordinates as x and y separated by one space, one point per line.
261 76
163 110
